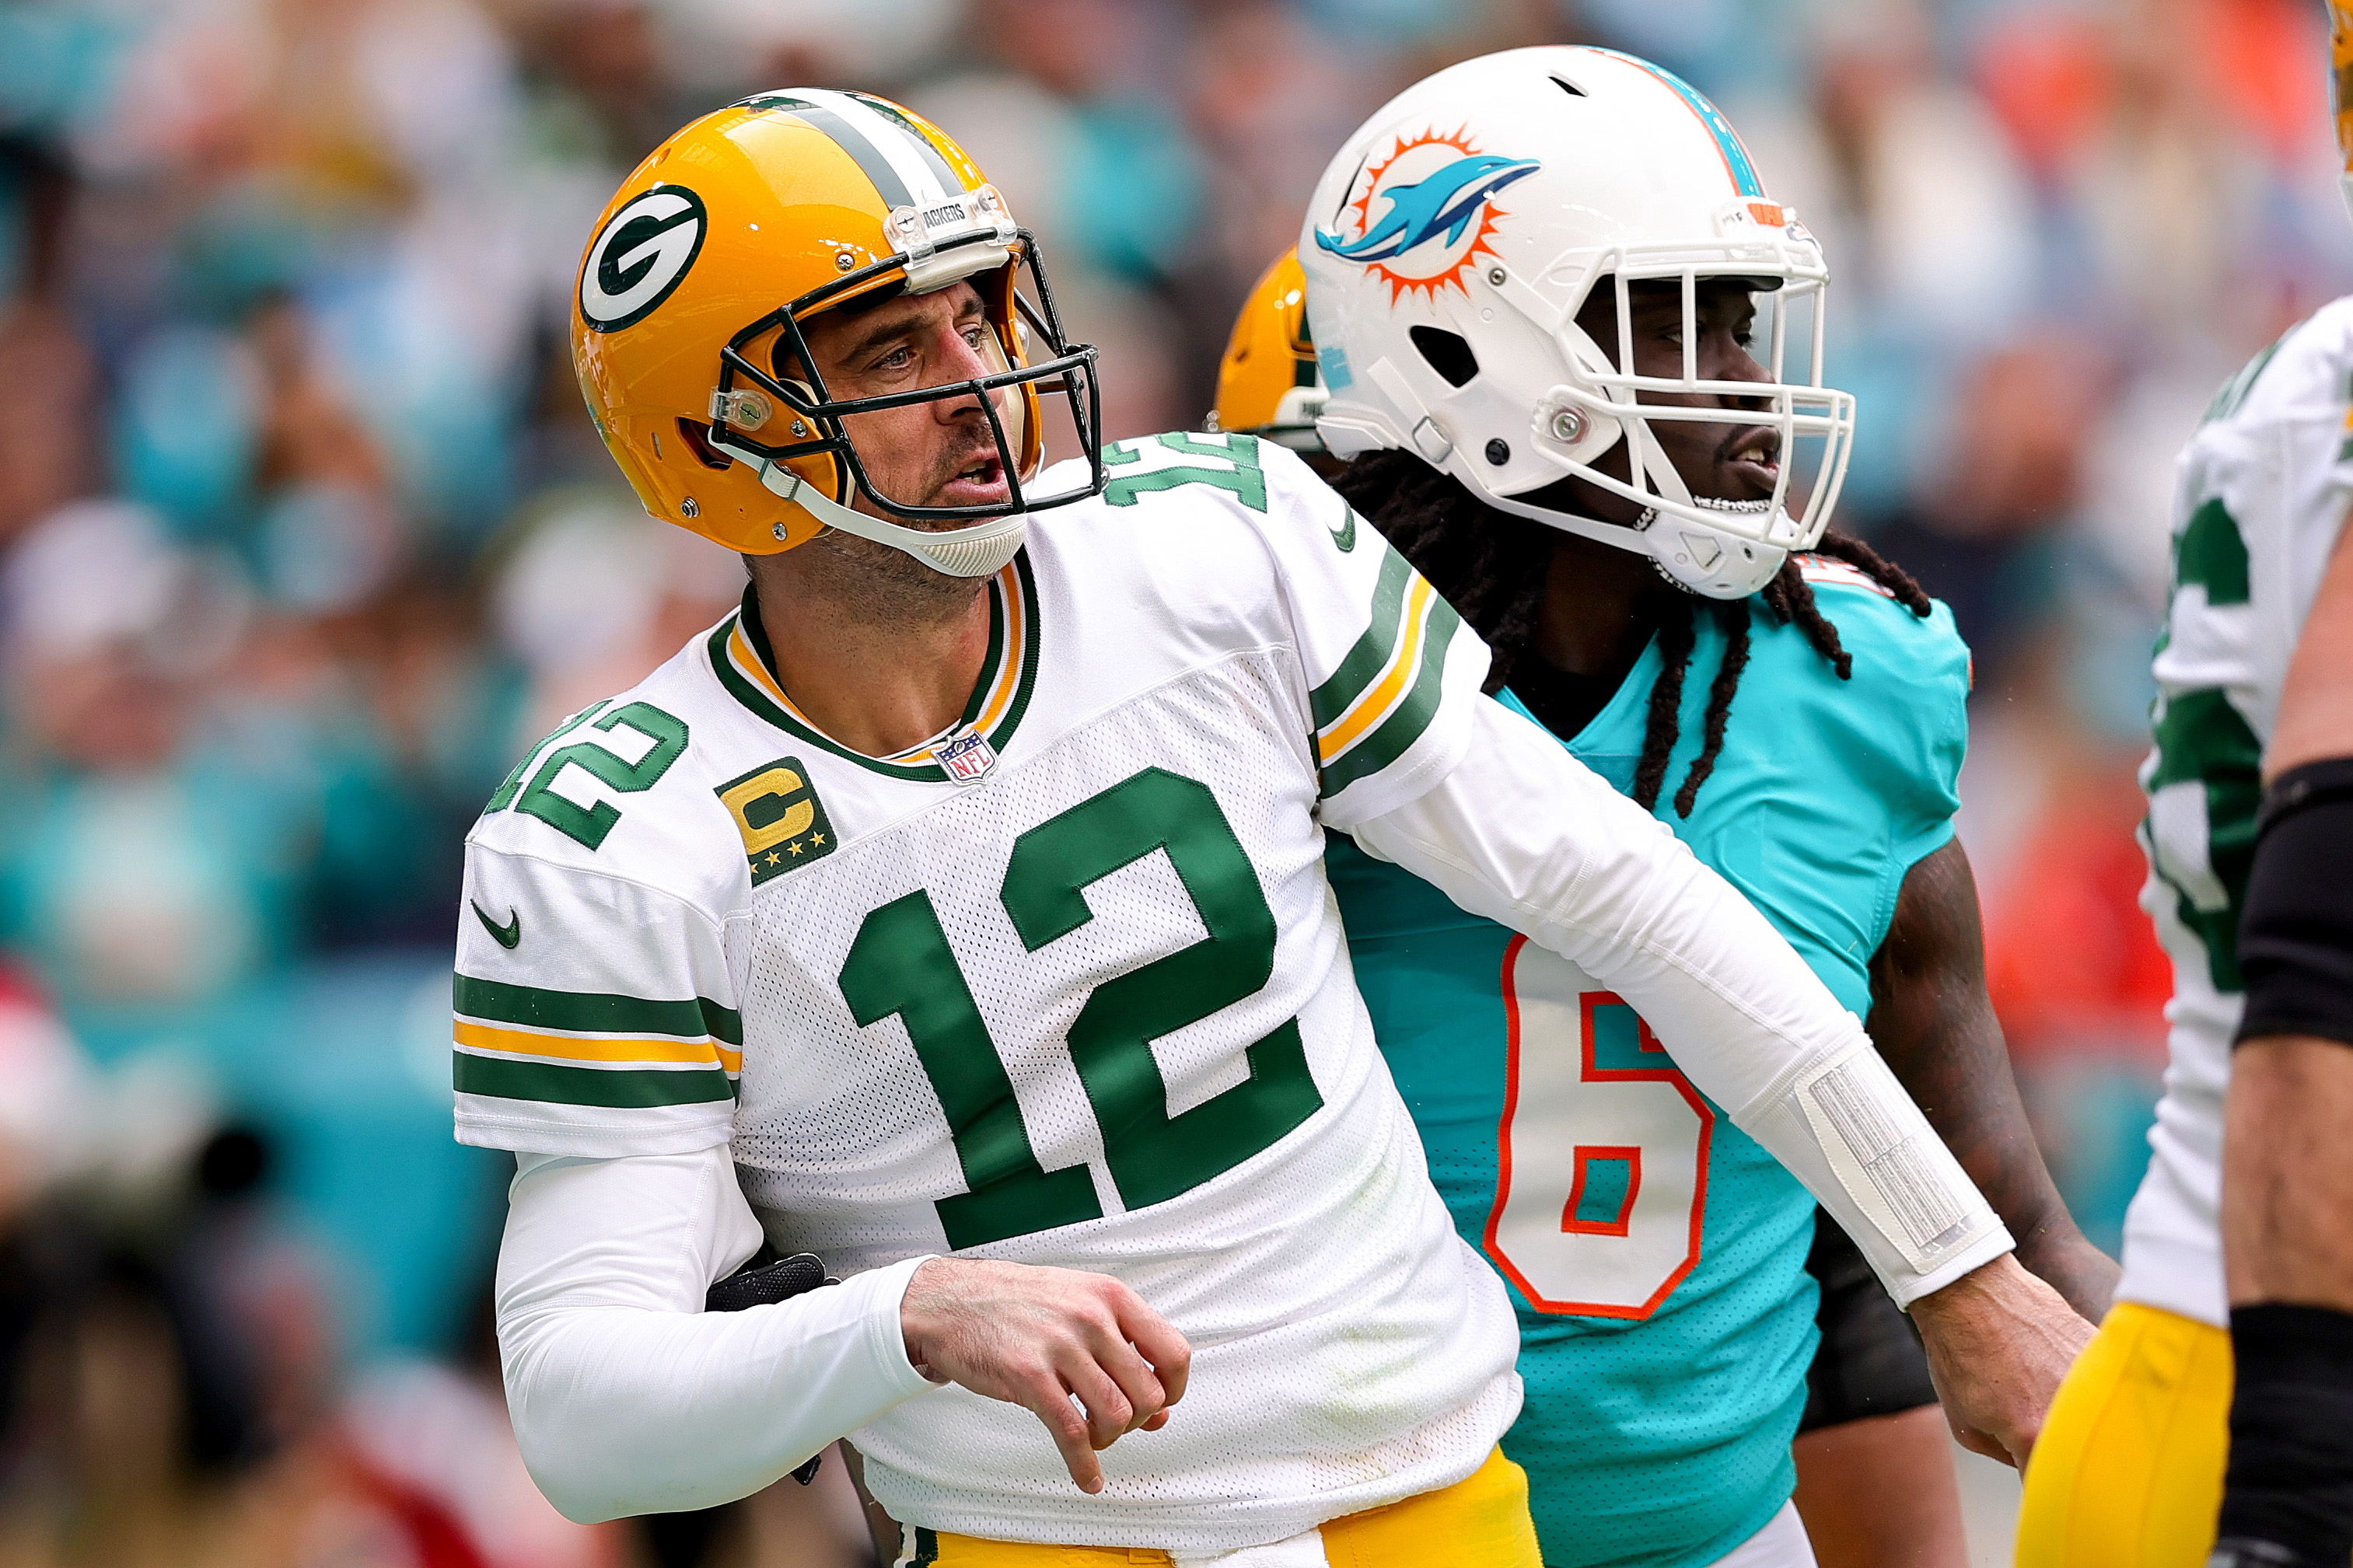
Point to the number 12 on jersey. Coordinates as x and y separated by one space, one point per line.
1602 1152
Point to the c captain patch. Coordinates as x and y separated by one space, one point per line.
783 822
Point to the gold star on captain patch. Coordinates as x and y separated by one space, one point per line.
774 858
795 847
816 838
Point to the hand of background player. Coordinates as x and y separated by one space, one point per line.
2057 1253
1998 1341
1035 1337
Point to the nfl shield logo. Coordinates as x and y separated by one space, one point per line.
967 758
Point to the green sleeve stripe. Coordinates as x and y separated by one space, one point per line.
496 1002
1406 722
1366 661
623 1089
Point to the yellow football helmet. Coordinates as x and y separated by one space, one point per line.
1268 383
2340 90
686 323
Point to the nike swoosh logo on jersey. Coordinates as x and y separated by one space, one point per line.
1345 536
506 935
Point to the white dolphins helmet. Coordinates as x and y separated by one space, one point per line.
1450 244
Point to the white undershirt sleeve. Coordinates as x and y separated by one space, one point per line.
1524 834
627 1398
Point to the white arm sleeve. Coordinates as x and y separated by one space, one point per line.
626 1396
1524 834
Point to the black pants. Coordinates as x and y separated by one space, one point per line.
1870 1362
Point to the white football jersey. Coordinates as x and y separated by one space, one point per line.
2261 492
1064 986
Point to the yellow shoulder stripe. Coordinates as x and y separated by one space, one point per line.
1367 709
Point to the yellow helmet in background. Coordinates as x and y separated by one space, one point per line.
686 322
2340 90
1268 383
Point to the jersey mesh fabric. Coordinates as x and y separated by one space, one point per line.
2260 493
1285 1397
1349 1349
1664 1441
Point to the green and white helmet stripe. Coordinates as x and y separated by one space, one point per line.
906 169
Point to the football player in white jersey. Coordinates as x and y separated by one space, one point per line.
2287 1166
2130 1469
955 911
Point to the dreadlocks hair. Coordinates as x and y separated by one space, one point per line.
1492 567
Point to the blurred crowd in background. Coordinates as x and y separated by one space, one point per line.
304 536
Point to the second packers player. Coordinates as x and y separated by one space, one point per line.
955 909
1804 740
2131 1473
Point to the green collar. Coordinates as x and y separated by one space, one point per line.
747 666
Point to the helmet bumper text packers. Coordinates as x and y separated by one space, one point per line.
730 273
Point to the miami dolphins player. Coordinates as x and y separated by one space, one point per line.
1789 704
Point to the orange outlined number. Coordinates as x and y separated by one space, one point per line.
1602 1179
1614 1195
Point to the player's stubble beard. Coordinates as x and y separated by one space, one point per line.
882 584
868 583
864 583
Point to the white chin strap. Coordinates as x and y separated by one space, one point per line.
979 550
1710 562
1714 562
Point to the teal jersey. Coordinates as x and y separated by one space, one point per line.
1655 1253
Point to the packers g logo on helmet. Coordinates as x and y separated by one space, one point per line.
639 257
692 294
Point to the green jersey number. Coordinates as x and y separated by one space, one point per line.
1234 467
510 786
588 825
900 964
2203 741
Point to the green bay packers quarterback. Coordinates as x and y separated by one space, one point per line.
955 910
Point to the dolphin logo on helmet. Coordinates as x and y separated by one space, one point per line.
1443 202
1627 177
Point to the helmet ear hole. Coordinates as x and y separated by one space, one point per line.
1446 352
697 437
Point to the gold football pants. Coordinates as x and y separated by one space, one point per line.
1480 1522
2128 1471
